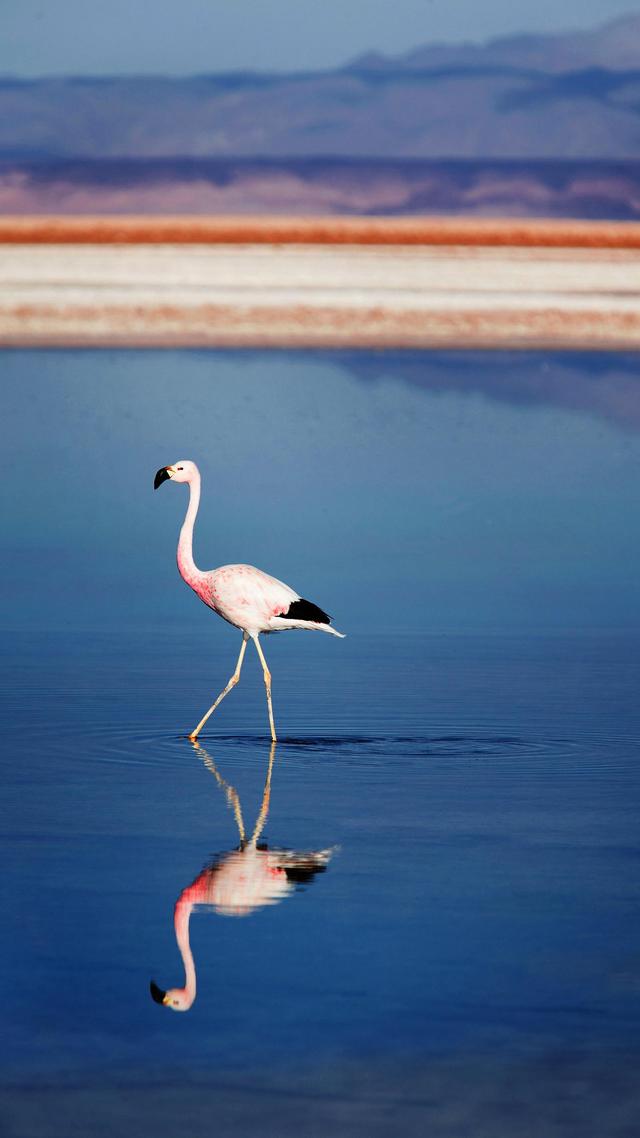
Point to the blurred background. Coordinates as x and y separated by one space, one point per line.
502 109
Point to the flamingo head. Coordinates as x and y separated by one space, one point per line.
175 998
182 471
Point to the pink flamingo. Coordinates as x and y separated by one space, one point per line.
236 883
241 594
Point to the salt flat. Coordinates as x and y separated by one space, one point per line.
318 295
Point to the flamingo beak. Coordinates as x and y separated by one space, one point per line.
157 994
161 476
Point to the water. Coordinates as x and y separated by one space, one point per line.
444 930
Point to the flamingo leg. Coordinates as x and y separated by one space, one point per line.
267 684
232 683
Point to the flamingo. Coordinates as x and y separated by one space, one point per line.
242 595
236 883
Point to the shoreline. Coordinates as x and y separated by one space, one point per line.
313 329
361 283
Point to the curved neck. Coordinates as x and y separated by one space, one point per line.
186 565
181 918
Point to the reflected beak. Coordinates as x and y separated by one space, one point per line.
157 994
162 475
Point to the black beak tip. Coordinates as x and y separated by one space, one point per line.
161 476
156 993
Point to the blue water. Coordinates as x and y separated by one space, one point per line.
467 958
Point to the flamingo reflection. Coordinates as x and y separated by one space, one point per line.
237 883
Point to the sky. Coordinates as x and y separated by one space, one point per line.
436 492
182 37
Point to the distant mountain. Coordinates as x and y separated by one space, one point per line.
613 47
575 95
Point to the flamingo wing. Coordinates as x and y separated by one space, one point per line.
247 597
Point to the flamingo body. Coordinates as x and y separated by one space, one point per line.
244 596
255 602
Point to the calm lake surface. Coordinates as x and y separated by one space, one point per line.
436 929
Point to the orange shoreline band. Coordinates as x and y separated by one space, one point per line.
200 230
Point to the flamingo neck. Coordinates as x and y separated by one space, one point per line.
181 919
186 565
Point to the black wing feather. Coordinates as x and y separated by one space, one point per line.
305 610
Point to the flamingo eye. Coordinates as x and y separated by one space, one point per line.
180 468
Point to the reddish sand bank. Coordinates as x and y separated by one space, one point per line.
320 231
356 283
313 327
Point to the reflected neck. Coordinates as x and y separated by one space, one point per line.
186 565
181 918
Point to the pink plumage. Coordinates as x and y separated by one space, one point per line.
244 596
